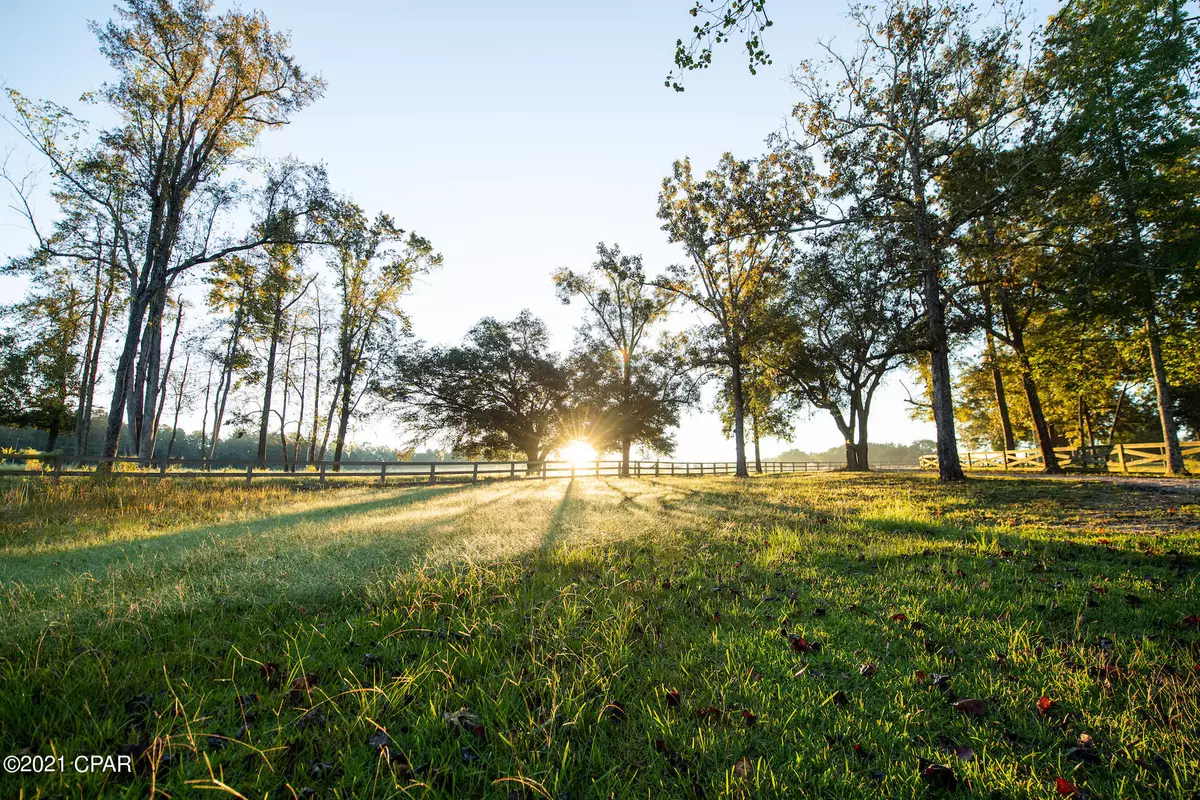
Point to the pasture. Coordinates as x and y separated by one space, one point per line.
825 635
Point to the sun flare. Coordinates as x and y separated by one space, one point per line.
579 452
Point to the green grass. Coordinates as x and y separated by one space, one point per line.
268 640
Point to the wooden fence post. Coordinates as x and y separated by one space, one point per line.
56 470
249 474
322 473
597 468
432 473
512 469
1004 459
968 459
383 474
1121 459
162 468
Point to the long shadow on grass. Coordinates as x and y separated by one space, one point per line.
39 568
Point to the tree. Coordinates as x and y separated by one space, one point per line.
44 346
643 400
501 392
844 323
374 264
282 286
194 90
1122 77
733 227
922 88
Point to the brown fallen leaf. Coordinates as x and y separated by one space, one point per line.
974 706
939 776
743 767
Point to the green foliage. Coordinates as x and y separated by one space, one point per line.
499 393
625 390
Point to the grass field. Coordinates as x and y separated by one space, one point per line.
820 636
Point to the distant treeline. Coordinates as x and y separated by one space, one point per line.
881 453
240 446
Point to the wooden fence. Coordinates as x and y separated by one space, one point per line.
58 466
1122 458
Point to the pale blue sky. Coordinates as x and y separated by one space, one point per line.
515 136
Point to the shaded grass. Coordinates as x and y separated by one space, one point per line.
261 638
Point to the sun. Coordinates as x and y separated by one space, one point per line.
578 452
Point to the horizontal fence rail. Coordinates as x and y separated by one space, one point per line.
1122 458
431 472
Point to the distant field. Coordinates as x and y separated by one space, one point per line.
785 636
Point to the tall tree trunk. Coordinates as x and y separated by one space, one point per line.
86 379
204 418
287 374
303 392
269 380
94 355
179 403
162 391
337 388
347 407
1112 431
312 445
1041 430
123 379
1162 390
1045 437
225 381
860 449
145 382
949 468
1006 429
757 449
739 410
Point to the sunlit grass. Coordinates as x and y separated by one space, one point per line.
562 614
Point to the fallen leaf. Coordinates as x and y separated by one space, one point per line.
973 706
839 698
1044 704
801 645
899 617
919 675
1065 787
712 712
964 753
379 740
743 767
673 698
749 718
939 776
867 670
